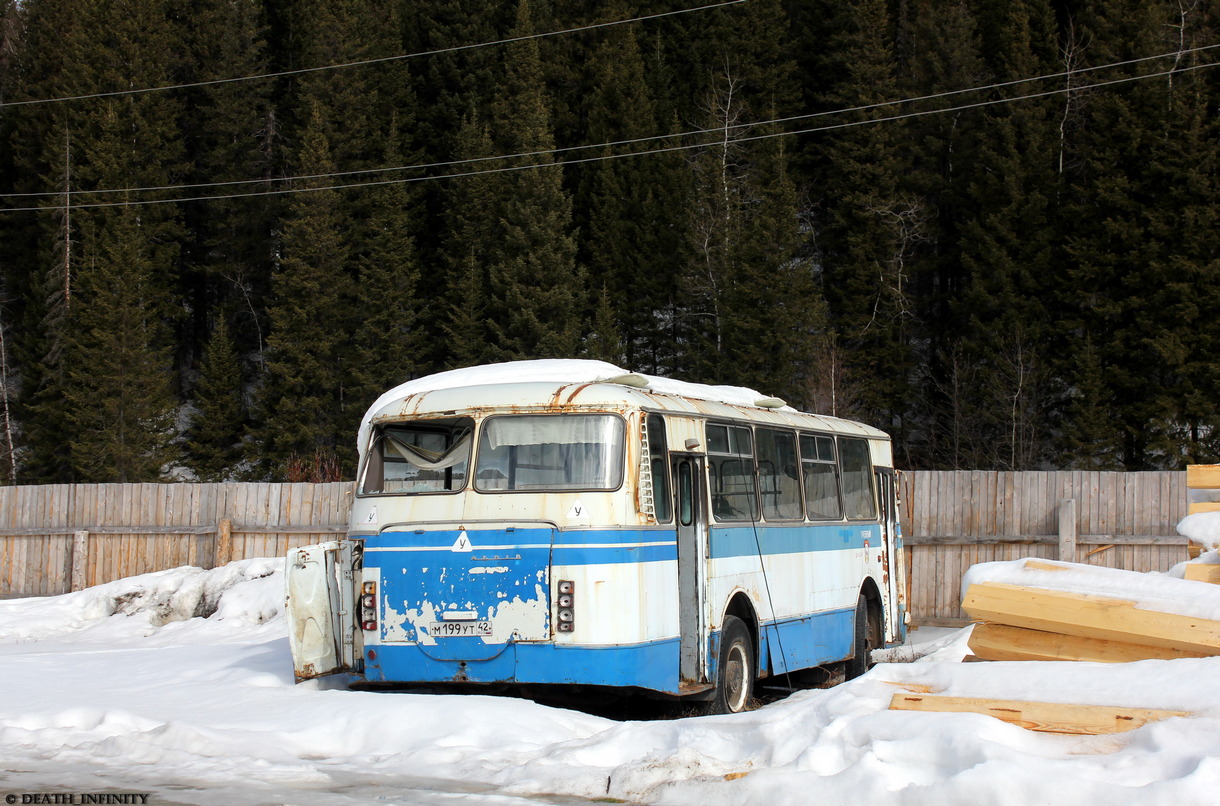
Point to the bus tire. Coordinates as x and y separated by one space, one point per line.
735 671
860 660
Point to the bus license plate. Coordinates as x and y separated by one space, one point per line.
448 629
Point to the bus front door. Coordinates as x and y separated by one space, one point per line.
894 566
691 521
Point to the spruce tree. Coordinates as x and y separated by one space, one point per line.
118 366
214 437
630 211
234 138
861 229
538 294
468 245
388 345
301 401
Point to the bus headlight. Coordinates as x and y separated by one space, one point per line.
565 601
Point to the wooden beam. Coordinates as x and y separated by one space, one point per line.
80 559
994 540
1089 617
223 553
1048 717
972 540
1203 477
269 529
1203 572
1001 642
1067 530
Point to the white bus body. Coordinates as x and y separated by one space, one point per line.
565 522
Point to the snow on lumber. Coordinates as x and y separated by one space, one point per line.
1202 528
1069 611
1047 717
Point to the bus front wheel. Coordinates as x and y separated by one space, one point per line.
735 671
861 661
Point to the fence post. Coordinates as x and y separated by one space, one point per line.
80 560
224 543
1067 530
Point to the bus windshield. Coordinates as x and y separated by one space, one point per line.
423 457
542 452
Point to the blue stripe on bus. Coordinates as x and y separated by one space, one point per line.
787 645
610 546
747 541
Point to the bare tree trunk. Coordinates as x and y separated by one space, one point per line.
6 413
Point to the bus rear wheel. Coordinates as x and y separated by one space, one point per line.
735 671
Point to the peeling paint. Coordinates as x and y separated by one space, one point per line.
495 569
394 624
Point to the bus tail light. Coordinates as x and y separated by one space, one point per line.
565 605
368 606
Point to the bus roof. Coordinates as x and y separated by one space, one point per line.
574 383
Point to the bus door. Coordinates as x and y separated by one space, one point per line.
691 519
891 561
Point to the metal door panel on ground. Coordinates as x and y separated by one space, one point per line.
321 606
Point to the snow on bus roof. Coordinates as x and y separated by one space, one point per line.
554 370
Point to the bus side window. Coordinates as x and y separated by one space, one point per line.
658 452
731 474
778 475
821 478
859 497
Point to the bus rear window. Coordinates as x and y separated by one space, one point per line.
548 452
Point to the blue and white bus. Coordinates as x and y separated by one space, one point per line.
570 523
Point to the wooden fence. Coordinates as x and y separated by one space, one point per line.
57 538
954 519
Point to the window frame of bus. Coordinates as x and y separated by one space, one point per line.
620 464
715 478
658 450
819 460
867 473
375 457
796 456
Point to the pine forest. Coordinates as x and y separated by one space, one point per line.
988 227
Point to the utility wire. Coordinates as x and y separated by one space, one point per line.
381 60
633 141
602 157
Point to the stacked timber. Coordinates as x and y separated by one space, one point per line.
1202 525
1044 610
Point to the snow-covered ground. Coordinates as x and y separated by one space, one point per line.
179 684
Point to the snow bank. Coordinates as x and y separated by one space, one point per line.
1151 591
203 710
251 591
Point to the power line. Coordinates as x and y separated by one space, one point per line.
362 63
633 141
599 158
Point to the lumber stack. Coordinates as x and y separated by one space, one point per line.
1050 621
1202 495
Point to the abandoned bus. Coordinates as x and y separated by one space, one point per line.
568 522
